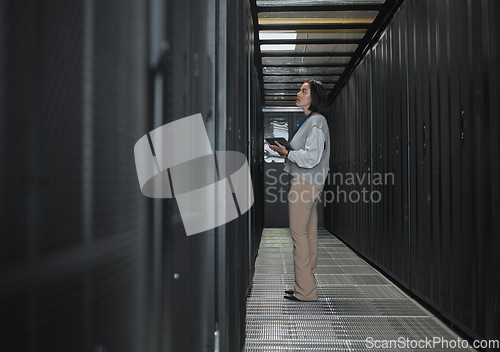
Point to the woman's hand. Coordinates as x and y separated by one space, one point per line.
278 148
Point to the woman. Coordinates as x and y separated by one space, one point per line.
308 163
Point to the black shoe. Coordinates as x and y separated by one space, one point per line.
293 298
289 292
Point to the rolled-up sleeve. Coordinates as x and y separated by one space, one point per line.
311 155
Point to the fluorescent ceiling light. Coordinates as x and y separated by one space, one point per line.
283 47
277 35
313 20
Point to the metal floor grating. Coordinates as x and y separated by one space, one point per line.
355 303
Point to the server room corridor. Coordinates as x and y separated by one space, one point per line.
358 309
142 210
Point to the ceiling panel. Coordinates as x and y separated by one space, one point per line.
315 16
313 39
304 61
316 2
304 71
315 48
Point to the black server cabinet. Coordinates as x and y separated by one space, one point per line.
390 152
206 276
256 149
188 262
424 241
448 65
87 262
233 273
433 111
492 174
74 226
351 156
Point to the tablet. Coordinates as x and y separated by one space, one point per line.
281 141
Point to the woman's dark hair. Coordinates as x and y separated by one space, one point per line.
318 96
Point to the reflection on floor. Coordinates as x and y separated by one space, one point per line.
357 310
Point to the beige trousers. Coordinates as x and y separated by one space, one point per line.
302 207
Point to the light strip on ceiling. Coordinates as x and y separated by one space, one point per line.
313 20
277 35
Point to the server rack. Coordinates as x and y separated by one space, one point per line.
433 117
88 262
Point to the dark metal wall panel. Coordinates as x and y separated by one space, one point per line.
397 180
491 73
478 182
358 162
348 185
207 71
236 231
470 117
380 144
73 222
336 121
455 289
275 193
447 92
434 77
390 214
446 223
257 151
364 160
30 159
88 262
189 261
421 125
335 114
